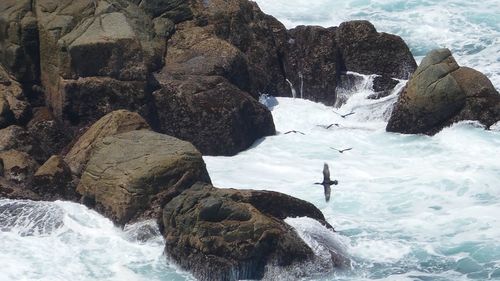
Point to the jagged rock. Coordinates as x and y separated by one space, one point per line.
134 174
17 138
195 50
366 51
18 166
53 180
19 40
441 92
116 122
175 10
217 117
259 36
383 86
226 234
314 63
96 57
14 105
50 133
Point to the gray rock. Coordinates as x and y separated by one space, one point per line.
132 175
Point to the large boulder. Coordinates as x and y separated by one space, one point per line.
132 175
116 122
213 114
366 51
17 138
224 234
96 57
441 92
314 63
260 37
204 93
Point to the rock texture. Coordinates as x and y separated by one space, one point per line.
225 234
137 172
116 122
53 180
18 166
217 117
439 93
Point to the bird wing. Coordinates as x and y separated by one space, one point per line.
300 133
326 173
347 149
287 132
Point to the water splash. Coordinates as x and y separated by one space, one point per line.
292 89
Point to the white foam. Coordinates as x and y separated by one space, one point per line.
471 29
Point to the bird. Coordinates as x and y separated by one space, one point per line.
329 126
327 182
344 115
341 150
293 131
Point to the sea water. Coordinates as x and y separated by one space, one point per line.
407 207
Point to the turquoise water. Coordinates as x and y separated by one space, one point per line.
471 29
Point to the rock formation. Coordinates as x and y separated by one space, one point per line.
439 93
226 234
139 171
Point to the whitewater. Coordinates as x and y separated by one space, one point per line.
407 207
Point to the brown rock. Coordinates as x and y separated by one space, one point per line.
116 122
217 117
51 135
226 234
441 92
366 51
134 174
314 63
53 180
18 166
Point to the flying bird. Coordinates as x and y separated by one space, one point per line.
327 182
344 115
329 126
341 150
295 132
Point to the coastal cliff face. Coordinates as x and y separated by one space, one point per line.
113 103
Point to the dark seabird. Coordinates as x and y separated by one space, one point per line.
295 132
344 115
341 150
327 182
329 126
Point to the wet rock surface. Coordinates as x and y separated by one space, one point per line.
439 93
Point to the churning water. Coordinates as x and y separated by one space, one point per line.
407 207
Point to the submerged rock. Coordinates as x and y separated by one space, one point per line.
227 234
439 93
133 174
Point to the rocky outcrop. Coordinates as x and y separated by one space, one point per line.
366 51
116 122
223 234
134 174
439 93
314 63
217 117
96 56
53 180
14 106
